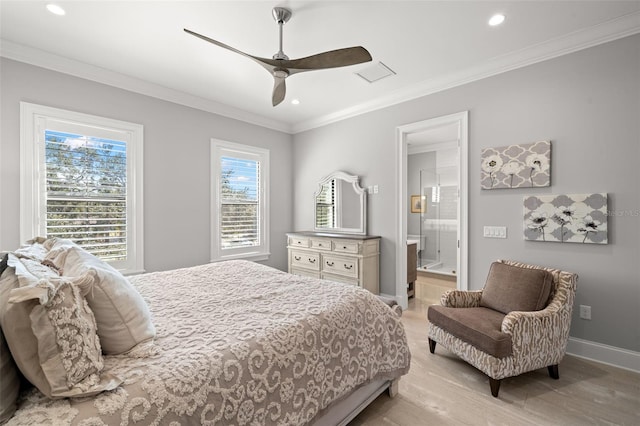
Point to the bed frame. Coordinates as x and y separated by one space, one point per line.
345 410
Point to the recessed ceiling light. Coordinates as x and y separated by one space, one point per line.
496 19
55 9
295 102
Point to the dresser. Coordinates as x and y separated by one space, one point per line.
351 259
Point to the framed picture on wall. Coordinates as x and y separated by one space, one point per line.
418 204
516 166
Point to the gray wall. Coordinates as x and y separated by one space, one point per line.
176 162
587 103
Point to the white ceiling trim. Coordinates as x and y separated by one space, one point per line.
602 33
58 63
608 31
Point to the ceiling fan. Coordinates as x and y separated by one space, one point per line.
281 67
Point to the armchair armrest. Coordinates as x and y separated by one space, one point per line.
461 299
546 331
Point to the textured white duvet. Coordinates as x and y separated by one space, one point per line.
239 343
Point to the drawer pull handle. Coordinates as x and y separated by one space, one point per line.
344 247
330 263
297 257
312 260
348 267
320 245
299 242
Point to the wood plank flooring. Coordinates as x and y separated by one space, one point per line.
441 389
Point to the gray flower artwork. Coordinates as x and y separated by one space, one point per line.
516 166
574 218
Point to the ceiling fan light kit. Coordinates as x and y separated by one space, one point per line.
281 67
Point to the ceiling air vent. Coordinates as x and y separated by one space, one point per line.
376 72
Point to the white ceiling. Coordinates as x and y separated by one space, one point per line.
431 45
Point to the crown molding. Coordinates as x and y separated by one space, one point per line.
614 29
40 58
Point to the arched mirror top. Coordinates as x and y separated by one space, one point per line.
340 205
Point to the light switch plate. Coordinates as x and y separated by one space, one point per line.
495 232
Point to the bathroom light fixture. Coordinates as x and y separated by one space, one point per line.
55 9
496 19
295 102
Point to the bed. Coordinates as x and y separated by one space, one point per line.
240 343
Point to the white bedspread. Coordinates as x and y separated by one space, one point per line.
239 343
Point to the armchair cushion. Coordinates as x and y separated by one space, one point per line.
480 327
512 288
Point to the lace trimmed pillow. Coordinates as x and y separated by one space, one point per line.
51 330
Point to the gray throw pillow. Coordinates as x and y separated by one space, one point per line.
512 288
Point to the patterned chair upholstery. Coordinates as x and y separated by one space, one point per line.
514 341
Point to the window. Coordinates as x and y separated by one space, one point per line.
81 179
240 182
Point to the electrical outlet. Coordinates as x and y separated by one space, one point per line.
585 312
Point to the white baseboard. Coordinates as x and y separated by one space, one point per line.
611 355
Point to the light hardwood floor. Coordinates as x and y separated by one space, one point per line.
441 389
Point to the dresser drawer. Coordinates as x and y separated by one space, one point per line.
306 272
307 260
299 242
340 279
346 247
340 265
320 244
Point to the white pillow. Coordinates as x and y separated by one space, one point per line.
123 317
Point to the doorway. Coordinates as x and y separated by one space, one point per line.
448 136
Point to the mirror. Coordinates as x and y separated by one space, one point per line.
340 205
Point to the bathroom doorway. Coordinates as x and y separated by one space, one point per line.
432 206
434 228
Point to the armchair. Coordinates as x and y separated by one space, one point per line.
517 323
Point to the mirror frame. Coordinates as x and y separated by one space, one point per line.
354 180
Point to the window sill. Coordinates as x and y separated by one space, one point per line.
255 257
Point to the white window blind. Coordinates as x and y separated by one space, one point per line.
82 179
240 198
239 201
86 192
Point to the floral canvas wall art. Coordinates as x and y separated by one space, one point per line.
516 166
574 218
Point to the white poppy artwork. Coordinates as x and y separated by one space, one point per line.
516 166
574 218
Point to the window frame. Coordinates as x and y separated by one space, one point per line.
221 148
33 124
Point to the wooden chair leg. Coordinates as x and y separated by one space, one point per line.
432 346
495 386
553 371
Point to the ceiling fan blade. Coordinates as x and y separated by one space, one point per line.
269 64
279 90
224 46
331 59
